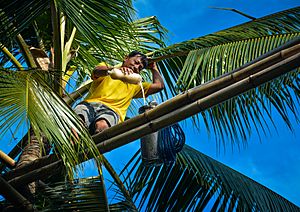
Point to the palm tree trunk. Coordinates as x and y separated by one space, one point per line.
32 151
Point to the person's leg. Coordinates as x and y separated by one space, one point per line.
105 118
86 113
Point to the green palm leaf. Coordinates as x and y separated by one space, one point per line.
85 194
15 16
199 60
26 99
197 182
149 36
174 56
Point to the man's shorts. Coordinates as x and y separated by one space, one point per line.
93 111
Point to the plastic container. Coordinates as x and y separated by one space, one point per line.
133 78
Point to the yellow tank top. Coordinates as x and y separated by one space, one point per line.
115 94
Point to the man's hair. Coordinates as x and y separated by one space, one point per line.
143 57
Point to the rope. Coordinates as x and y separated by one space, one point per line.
170 141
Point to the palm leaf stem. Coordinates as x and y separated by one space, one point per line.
103 189
26 52
167 56
229 85
116 178
11 57
57 44
236 11
13 196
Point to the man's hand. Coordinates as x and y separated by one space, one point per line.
152 66
126 70
157 81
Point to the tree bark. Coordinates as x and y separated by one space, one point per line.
32 151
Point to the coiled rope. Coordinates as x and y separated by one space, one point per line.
170 141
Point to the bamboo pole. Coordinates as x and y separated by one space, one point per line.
201 91
137 127
200 105
14 197
8 160
40 173
11 57
16 150
240 86
31 166
69 99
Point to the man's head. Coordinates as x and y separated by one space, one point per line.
136 61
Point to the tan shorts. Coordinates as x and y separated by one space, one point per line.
94 111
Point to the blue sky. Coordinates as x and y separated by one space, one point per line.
272 160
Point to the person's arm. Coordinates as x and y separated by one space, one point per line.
100 71
157 82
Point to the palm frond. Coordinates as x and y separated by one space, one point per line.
108 20
197 182
84 193
16 15
26 99
174 56
149 36
199 60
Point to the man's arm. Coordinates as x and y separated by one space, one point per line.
100 71
157 82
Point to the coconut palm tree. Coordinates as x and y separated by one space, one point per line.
45 43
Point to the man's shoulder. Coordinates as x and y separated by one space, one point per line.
103 63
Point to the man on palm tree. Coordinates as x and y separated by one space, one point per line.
108 99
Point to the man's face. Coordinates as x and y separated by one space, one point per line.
134 63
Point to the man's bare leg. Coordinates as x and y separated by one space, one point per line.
101 125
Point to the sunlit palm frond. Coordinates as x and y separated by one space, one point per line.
150 33
149 36
100 23
205 64
232 117
197 182
27 100
199 60
174 56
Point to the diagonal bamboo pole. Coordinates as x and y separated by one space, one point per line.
8 160
43 172
16 150
200 105
131 129
71 98
14 197
202 91
11 57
